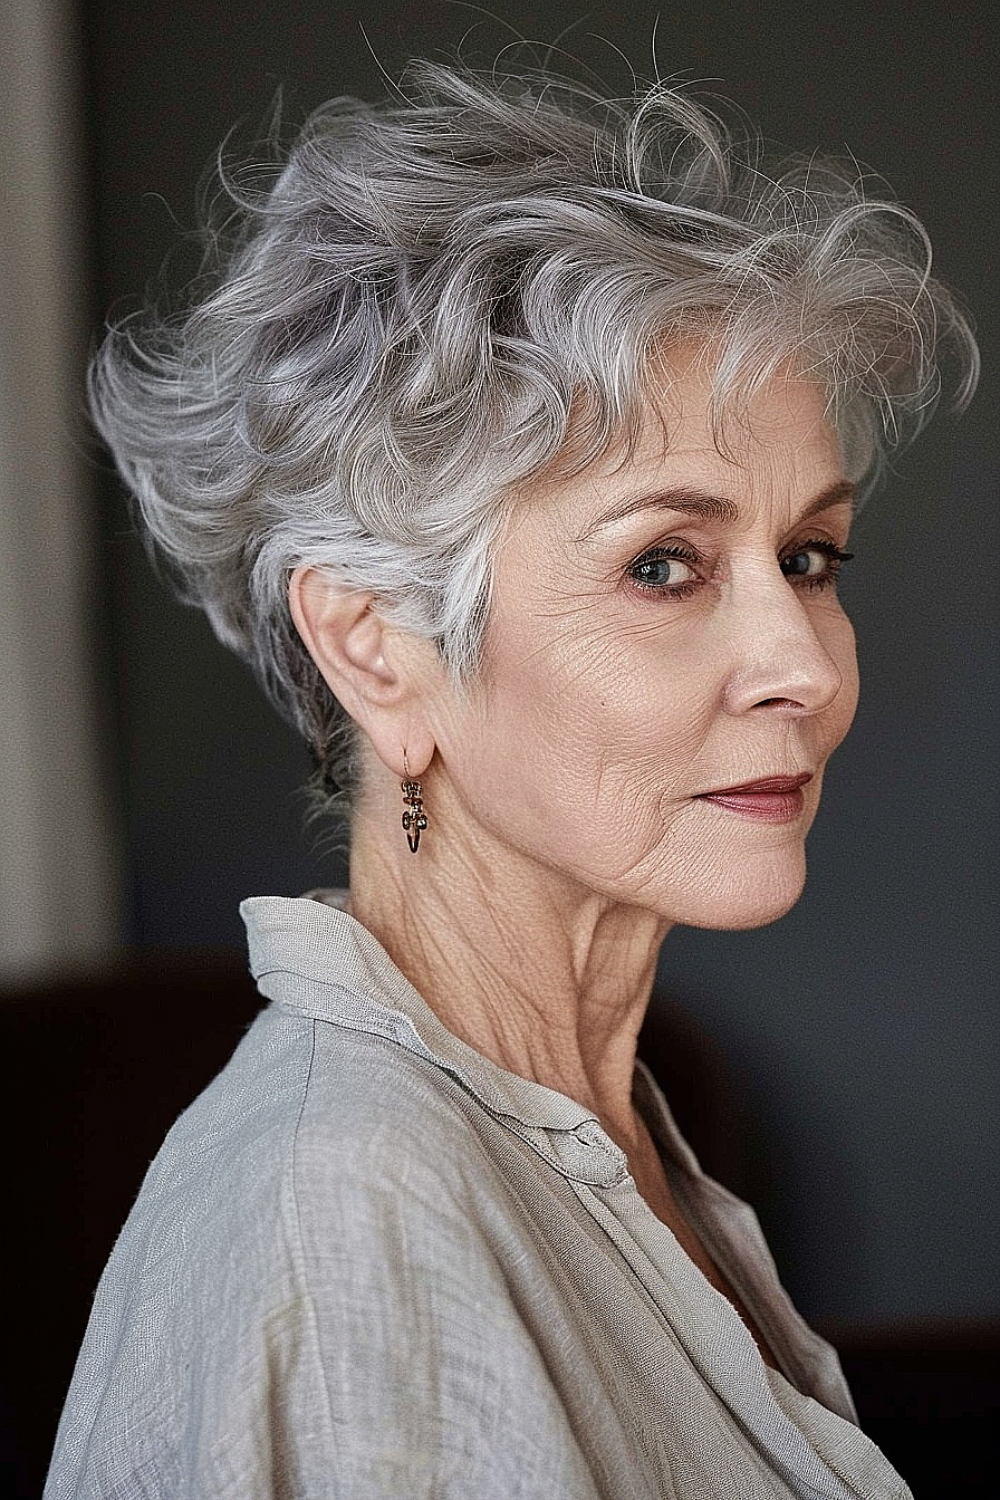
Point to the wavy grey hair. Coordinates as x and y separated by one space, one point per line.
432 296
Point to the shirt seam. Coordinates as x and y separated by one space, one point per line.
298 1234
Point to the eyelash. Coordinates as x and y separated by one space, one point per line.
663 554
827 579
835 560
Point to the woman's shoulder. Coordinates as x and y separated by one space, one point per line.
306 1113
273 1214
323 1232
318 1142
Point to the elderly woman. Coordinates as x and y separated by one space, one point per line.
516 447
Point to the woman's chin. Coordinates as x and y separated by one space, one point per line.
745 921
746 898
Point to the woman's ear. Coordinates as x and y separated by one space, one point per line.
382 675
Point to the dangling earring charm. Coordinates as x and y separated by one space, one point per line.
414 817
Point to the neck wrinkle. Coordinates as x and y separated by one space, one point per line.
548 981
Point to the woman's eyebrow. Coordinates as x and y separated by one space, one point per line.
706 507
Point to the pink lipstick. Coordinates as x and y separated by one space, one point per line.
773 799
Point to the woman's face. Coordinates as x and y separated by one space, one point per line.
662 630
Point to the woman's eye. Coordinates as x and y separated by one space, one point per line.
662 571
815 563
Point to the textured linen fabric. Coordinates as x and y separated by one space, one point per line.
368 1262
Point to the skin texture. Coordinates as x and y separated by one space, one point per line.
618 684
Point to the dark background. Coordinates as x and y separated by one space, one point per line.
851 1048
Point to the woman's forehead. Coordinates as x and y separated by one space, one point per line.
781 443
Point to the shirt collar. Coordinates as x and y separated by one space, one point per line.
309 955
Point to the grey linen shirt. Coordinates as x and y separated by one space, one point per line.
369 1263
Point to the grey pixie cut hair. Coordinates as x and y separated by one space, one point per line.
431 297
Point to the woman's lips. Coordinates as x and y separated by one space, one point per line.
773 799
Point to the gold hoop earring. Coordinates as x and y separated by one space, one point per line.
414 817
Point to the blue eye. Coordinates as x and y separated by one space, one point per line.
816 563
663 571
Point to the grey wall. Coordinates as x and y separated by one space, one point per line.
860 1031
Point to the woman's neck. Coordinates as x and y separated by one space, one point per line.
548 980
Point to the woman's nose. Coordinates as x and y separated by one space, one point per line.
781 664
